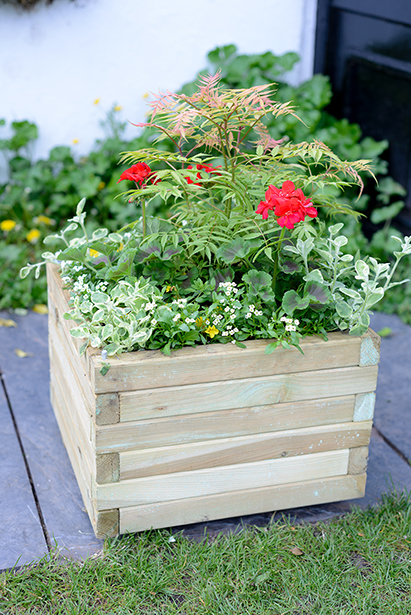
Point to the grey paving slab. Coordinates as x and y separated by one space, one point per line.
27 384
21 535
393 405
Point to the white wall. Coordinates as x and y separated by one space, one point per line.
56 60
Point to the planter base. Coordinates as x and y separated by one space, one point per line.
213 431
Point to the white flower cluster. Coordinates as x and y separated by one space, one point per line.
230 331
150 306
189 320
180 303
252 310
229 288
290 324
80 286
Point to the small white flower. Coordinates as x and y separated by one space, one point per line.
232 317
289 321
232 310
176 317
226 309
233 341
251 308
283 319
235 330
154 322
248 315
296 322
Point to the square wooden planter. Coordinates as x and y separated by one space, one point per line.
212 431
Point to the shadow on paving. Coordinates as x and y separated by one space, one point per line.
40 503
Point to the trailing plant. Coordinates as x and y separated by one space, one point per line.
243 255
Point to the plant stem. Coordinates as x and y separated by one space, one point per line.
280 241
143 209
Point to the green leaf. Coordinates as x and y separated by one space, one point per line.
343 309
292 301
234 250
319 292
98 297
386 213
104 368
270 347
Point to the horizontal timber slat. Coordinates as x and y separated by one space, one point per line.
222 479
151 369
223 424
249 392
227 451
76 412
244 502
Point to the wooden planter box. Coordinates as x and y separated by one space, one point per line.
212 431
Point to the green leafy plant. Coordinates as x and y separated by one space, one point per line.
215 271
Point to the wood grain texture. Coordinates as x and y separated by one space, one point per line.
151 369
222 479
78 461
358 459
107 409
60 300
228 451
248 392
223 424
108 468
370 348
364 407
243 502
76 412
107 523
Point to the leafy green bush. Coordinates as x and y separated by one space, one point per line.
41 195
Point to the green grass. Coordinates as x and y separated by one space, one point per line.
359 563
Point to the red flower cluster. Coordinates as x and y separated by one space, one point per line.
138 173
290 205
208 168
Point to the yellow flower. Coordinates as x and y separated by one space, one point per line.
200 322
45 220
33 235
40 308
212 331
101 185
96 101
146 95
118 108
170 288
7 225
74 141
93 253
120 247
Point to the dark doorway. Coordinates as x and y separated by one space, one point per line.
365 48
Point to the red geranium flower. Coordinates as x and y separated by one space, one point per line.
289 204
208 168
138 173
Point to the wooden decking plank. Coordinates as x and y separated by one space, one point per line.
28 386
21 535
